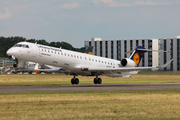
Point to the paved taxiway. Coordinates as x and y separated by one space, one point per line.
48 88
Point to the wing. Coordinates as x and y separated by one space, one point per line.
123 69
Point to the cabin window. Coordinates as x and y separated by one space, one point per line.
65 54
48 51
80 57
51 51
85 58
71 55
89 59
74 56
58 52
92 59
99 61
102 61
61 53
96 60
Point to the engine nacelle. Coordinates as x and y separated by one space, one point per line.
126 62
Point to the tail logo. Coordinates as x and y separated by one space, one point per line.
136 58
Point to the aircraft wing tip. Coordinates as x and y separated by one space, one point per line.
163 66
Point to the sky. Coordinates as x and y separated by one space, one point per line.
75 21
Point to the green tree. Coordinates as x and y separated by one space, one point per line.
6 43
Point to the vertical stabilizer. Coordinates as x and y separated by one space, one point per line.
137 54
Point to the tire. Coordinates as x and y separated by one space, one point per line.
76 81
72 81
95 80
99 81
15 65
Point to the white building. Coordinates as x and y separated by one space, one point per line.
116 49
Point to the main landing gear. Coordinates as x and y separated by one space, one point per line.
74 80
97 80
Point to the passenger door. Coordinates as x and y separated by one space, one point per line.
34 50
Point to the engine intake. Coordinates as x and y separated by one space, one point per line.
126 62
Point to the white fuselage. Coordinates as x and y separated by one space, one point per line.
72 62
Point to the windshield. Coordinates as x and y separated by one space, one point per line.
21 45
18 45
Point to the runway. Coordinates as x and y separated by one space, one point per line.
49 88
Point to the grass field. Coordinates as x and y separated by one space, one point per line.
144 77
162 104
105 105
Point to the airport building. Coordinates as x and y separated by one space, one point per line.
116 49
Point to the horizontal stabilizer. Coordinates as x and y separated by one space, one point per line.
146 50
153 50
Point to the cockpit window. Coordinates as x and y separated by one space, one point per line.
21 45
18 45
25 46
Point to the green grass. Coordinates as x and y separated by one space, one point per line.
55 79
114 105
160 104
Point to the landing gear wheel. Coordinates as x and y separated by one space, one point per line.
99 81
95 80
74 81
15 65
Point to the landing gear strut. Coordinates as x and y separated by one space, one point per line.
16 64
74 80
97 80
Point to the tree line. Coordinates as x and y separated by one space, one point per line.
7 42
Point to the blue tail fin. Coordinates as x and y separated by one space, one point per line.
137 54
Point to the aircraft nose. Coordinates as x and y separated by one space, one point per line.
11 52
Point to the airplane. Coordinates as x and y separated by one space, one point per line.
24 66
46 68
38 68
89 50
76 63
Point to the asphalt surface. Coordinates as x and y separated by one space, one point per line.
48 88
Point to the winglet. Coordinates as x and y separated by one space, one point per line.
163 66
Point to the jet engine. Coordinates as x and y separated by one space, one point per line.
126 62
